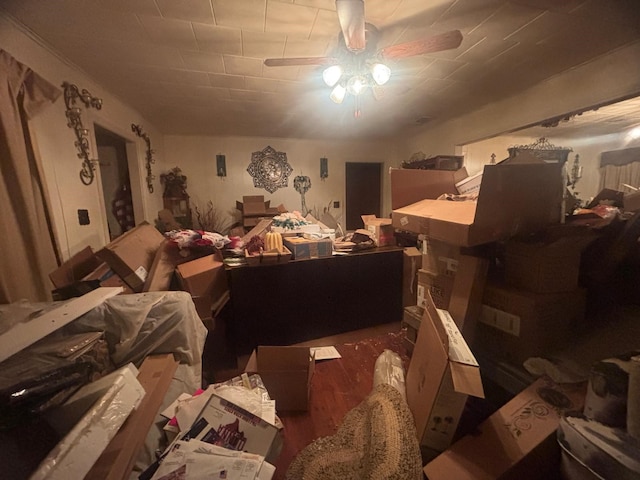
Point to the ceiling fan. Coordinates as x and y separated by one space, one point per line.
357 63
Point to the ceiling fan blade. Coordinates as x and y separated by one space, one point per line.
437 43
351 17
295 61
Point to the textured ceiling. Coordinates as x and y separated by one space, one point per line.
196 66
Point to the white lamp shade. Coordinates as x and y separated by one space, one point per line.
380 73
332 74
338 93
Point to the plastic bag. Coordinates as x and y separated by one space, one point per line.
388 369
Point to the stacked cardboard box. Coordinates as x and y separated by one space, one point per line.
254 208
539 303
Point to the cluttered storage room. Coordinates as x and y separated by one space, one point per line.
320 239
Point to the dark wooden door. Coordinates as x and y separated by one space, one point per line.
363 192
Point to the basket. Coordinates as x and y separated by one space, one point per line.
268 258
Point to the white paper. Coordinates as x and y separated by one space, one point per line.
325 353
170 411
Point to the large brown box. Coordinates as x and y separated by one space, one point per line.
441 374
514 199
204 277
412 262
545 265
440 258
518 442
131 254
75 269
517 324
409 186
286 373
438 286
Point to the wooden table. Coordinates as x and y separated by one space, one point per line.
337 386
306 299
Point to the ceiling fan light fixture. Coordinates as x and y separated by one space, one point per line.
338 93
380 73
332 74
357 85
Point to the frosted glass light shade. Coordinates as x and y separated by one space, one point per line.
332 74
338 93
380 73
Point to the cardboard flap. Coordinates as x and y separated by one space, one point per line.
367 218
409 185
282 358
466 379
431 311
518 198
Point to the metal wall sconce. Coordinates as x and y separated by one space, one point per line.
71 95
149 158
324 168
221 165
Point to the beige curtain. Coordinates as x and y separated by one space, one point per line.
619 168
26 240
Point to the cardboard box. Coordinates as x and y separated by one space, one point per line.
381 228
75 269
131 254
470 185
440 258
252 205
516 442
441 374
514 199
545 265
438 286
411 319
225 424
204 277
411 263
302 248
107 278
410 185
518 324
286 372
268 258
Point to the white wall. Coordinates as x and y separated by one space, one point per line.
196 157
55 142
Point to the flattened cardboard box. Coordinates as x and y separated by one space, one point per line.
286 372
516 442
131 254
441 374
513 200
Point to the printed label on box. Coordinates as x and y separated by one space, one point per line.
507 322
142 273
459 351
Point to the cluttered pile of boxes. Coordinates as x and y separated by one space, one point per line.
524 305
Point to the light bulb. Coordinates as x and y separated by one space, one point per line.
380 73
356 85
338 93
332 74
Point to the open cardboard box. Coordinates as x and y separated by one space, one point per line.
513 199
442 372
204 277
286 373
516 442
381 228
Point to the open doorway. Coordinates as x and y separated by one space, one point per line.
363 192
116 182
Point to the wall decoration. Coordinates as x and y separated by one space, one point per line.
544 150
269 169
302 184
221 165
324 168
74 120
149 158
